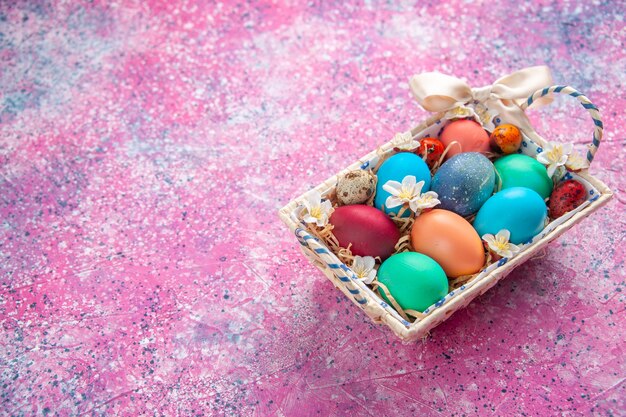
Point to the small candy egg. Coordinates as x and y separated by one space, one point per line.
369 230
507 137
450 240
523 171
431 150
396 168
355 187
414 280
464 182
566 197
469 135
520 210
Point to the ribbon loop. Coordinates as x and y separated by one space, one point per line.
438 93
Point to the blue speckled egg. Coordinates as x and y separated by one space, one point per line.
464 182
396 168
520 210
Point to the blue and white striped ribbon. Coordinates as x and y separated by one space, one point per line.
339 269
587 104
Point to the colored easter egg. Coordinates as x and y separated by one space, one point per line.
430 150
507 138
464 182
395 169
520 210
414 280
450 240
468 135
566 197
369 230
355 187
523 171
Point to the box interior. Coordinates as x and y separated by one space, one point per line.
528 147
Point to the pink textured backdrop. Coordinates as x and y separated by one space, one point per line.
146 146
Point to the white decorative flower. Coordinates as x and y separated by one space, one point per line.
576 162
316 210
555 155
461 111
483 116
409 191
363 268
405 141
500 244
425 200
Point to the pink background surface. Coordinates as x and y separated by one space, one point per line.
146 147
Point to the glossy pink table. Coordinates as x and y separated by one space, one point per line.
146 147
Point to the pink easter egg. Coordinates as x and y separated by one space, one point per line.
468 135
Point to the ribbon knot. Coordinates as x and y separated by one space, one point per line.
438 93
481 94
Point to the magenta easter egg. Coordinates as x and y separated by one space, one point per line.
370 231
465 136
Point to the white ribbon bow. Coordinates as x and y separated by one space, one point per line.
438 92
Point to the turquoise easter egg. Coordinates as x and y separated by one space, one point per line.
519 170
414 280
396 168
464 182
520 210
